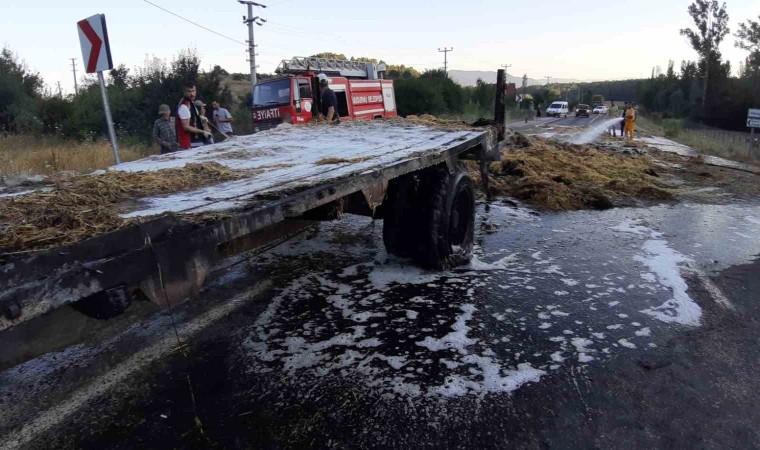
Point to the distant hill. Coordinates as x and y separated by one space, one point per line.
470 78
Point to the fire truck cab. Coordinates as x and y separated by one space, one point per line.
294 98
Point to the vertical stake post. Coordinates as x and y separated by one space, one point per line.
499 106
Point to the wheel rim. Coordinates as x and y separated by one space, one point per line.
459 219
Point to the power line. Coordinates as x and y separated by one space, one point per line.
195 23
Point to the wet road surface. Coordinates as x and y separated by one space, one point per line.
540 124
632 327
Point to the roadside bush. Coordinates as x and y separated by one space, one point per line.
416 96
672 127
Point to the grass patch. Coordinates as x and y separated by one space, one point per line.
83 206
731 145
45 155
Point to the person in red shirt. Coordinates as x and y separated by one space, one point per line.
190 132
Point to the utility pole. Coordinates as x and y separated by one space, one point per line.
506 68
250 21
74 70
60 91
548 78
445 52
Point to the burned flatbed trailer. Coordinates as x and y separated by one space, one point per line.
405 172
384 169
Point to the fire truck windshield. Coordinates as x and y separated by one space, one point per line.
272 93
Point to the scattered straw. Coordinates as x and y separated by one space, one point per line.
84 206
432 121
556 176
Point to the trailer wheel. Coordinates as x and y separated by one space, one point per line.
447 213
399 216
105 304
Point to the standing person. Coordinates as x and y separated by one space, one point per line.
538 110
630 122
190 132
635 118
622 122
612 113
165 130
329 101
222 119
201 107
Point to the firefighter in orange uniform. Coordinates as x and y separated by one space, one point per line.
630 122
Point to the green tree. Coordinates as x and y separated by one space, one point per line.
119 76
749 36
20 88
711 23
329 55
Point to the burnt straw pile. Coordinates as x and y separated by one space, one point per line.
82 206
554 176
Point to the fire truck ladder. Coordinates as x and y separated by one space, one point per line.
337 67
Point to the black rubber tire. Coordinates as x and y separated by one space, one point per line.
400 219
105 304
447 219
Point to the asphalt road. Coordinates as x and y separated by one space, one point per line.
570 121
628 328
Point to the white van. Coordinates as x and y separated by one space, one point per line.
558 109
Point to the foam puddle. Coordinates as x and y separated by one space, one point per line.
508 318
420 345
343 340
663 263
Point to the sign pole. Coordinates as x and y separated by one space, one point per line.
109 120
751 142
96 53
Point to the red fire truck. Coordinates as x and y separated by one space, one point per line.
294 98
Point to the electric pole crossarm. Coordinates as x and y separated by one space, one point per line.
74 70
445 52
250 21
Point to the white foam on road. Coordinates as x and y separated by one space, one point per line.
664 262
457 339
492 379
322 346
664 265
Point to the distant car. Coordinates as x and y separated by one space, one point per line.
600 110
558 109
582 110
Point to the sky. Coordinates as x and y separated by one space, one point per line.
588 40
